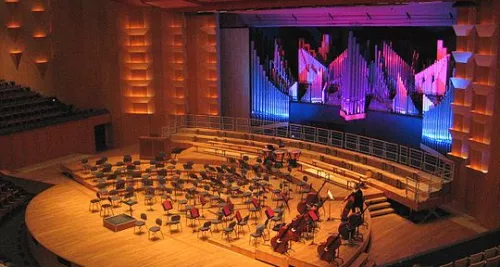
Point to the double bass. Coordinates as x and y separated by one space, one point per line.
348 226
298 226
327 251
279 243
310 200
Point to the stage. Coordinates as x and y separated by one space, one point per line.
59 220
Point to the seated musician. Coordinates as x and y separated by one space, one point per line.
270 147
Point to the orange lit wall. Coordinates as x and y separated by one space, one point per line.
137 63
89 59
476 119
175 61
25 43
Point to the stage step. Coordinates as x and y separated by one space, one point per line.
379 206
360 260
375 200
381 212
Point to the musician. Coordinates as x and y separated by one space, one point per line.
358 198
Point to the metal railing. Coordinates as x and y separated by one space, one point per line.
418 159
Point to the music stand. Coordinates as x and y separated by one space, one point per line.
167 206
314 218
194 214
226 211
331 198
203 201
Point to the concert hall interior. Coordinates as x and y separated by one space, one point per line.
305 133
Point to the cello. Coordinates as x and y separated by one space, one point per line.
328 250
310 200
348 226
279 243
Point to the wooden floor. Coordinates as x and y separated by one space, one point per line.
395 237
59 219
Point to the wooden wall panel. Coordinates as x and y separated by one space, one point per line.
30 147
235 72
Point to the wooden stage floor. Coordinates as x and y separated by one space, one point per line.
59 219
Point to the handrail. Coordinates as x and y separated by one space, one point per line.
404 155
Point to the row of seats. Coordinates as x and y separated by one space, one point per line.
23 109
11 197
487 258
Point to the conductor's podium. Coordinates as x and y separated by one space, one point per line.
150 147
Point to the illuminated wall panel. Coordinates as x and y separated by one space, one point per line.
476 77
136 64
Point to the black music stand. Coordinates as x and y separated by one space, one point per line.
203 201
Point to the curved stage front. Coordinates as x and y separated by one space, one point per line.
64 231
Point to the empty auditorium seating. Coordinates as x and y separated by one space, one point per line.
11 197
23 109
489 258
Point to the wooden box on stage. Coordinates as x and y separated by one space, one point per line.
119 222
149 147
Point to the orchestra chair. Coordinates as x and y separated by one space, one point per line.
120 185
218 221
477 257
162 183
129 201
228 230
115 198
155 229
207 226
463 262
95 203
242 223
193 214
149 197
276 228
493 261
183 202
175 220
490 253
255 208
277 218
140 223
106 208
478 264
259 233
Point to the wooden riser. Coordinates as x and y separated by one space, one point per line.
382 212
379 206
375 200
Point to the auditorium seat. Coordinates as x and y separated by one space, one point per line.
23 109
493 261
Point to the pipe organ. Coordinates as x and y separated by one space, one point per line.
268 101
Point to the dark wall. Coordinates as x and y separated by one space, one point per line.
404 130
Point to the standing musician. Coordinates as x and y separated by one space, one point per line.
358 198
353 208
